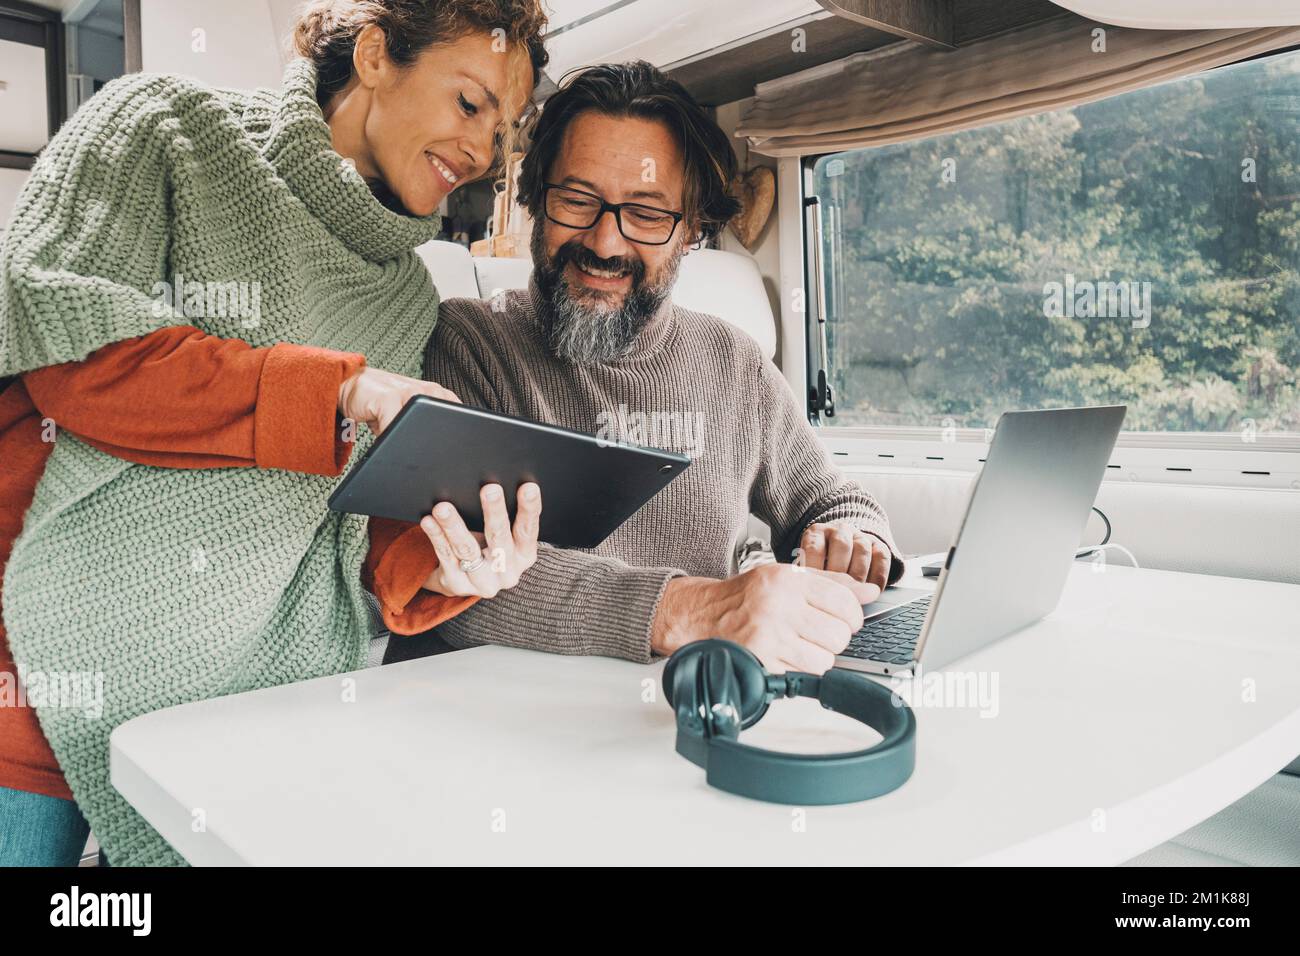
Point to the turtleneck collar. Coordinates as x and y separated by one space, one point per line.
656 332
302 150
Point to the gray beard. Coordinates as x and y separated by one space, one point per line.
594 334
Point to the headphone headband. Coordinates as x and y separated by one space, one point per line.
718 688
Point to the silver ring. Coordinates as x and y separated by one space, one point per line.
469 567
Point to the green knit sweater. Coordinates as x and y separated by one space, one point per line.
180 585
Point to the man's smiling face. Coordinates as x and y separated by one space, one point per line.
620 159
601 288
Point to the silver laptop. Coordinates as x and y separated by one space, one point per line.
1023 524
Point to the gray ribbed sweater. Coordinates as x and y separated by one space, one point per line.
704 389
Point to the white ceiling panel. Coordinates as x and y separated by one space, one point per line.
562 13
660 31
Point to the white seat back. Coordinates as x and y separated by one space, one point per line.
498 274
452 268
730 286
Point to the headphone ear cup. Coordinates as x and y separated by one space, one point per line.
750 675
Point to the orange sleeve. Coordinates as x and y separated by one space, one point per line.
179 398
401 558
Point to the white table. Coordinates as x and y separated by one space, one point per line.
1146 703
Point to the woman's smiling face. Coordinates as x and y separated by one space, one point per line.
430 127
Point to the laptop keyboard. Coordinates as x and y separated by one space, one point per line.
892 638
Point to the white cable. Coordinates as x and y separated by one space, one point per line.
1104 547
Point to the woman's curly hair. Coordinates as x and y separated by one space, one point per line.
326 33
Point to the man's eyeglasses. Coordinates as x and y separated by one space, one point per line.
577 209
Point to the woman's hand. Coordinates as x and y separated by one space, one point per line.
483 565
374 396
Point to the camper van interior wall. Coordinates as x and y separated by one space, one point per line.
719 688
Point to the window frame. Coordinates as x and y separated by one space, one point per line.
1199 458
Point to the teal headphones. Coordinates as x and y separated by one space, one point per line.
719 688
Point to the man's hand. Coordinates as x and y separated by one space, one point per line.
790 618
837 547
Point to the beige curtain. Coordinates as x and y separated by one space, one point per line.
909 91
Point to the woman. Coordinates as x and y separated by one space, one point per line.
154 565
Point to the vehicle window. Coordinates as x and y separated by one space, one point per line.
1143 249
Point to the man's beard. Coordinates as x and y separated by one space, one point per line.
591 332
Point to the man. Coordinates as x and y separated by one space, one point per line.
625 173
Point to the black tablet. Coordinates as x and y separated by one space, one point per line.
440 451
